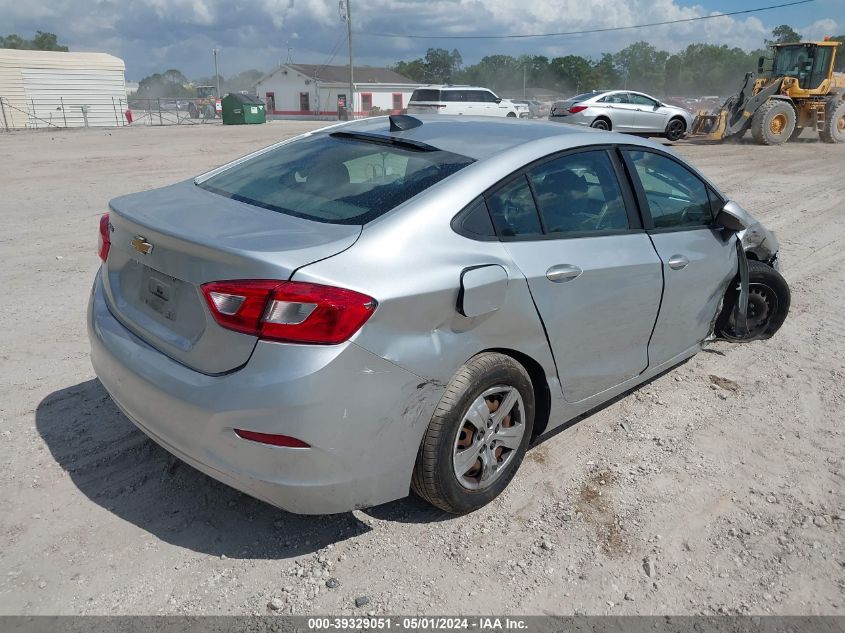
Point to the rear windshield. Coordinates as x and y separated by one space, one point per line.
582 97
425 95
332 179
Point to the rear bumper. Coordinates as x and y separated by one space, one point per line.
362 416
572 119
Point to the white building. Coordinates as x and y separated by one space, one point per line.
312 90
50 88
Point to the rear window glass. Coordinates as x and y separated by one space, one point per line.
336 180
425 95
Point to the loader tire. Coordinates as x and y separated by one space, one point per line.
834 122
773 123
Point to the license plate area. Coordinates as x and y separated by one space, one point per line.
160 292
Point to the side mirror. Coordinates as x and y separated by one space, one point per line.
498 99
733 217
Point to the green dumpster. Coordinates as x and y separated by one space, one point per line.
240 108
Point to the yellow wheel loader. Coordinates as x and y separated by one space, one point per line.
794 88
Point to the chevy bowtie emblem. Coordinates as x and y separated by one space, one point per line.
141 245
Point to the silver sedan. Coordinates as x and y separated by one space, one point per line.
623 111
407 303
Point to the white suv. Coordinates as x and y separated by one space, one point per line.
469 100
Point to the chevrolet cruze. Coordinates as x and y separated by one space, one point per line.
405 303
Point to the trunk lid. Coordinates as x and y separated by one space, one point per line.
167 242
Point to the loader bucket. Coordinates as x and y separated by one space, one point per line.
709 126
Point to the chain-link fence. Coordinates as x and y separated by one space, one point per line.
28 113
162 111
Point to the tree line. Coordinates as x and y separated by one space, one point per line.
697 70
40 42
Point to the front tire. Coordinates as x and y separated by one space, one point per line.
478 435
675 130
773 123
768 305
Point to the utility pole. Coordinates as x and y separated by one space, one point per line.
524 71
350 105
216 74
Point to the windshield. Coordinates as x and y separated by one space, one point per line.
340 180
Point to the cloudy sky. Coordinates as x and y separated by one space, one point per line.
154 35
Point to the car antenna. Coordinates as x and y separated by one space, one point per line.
401 122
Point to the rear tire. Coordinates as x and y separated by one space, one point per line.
601 124
768 305
511 115
773 123
454 431
675 130
834 122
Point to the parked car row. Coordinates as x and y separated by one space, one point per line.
611 110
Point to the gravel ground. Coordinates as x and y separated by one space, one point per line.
716 488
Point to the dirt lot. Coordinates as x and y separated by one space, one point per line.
719 487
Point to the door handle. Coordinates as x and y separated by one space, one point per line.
562 273
677 262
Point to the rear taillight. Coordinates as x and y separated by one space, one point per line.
289 311
577 109
104 242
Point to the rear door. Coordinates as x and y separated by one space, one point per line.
569 225
458 102
698 259
618 109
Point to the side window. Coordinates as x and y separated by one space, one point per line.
487 97
677 198
474 221
579 193
716 202
642 100
512 210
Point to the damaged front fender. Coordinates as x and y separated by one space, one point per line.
760 244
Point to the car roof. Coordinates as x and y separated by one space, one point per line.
452 87
483 137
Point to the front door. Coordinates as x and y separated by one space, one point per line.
647 114
699 260
570 227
